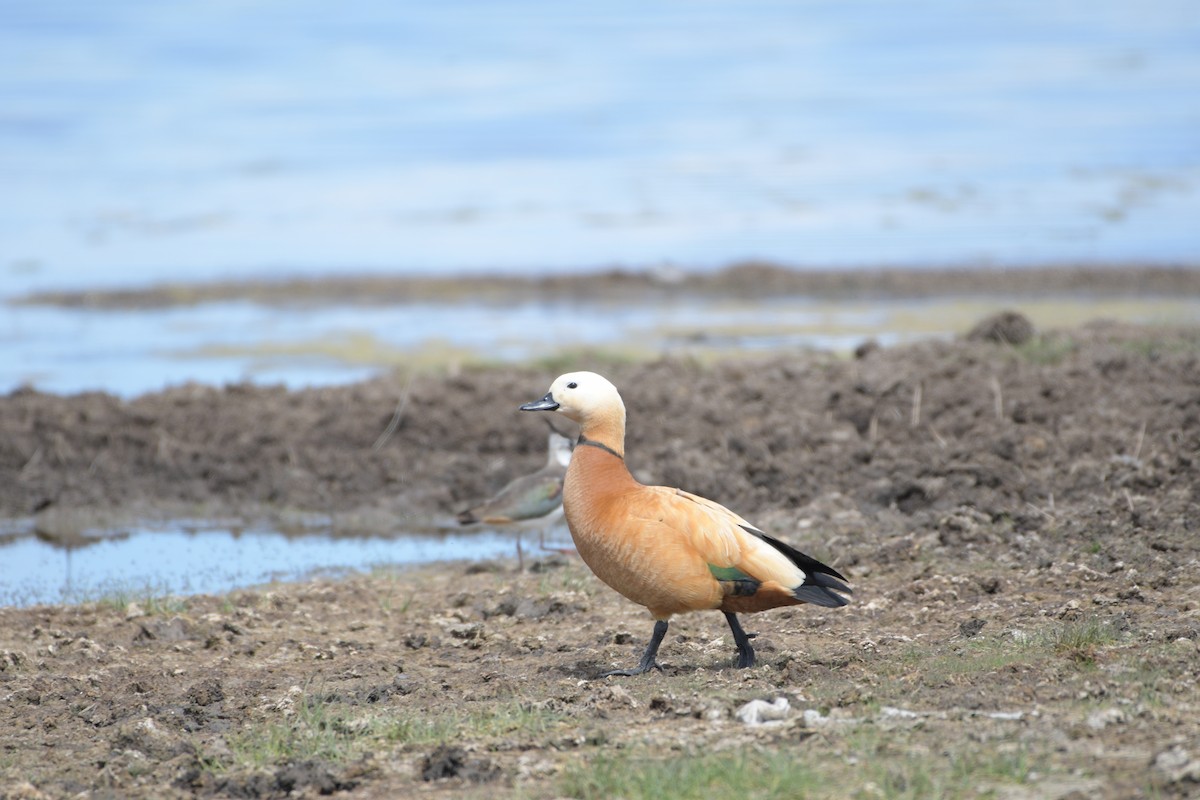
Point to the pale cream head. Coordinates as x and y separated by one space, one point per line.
590 400
585 396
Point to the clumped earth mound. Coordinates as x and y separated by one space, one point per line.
1020 524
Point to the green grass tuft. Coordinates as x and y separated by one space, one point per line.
743 774
1079 640
876 767
1046 350
313 732
327 731
152 601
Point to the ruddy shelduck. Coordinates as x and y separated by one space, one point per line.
529 502
667 549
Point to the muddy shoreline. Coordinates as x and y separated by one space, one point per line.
1020 523
920 426
747 280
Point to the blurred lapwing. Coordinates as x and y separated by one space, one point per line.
530 502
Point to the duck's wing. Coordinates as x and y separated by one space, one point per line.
745 557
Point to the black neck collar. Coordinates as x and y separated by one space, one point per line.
601 445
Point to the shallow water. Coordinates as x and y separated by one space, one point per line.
157 563
142 144
131 352
148 142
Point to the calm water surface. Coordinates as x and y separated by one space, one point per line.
194 560
129 353
142 142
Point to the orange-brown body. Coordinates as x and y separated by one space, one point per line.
663 548
643 541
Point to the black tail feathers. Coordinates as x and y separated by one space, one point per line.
822 590
821 581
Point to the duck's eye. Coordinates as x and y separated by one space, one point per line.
572 385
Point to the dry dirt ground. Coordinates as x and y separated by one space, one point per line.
1021 525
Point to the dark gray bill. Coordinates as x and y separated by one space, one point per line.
545 404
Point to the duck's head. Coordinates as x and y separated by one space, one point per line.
584 397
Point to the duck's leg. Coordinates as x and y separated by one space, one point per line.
647 663
742 640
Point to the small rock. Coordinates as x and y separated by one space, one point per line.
11 660
206 692
971 627
285 705
146 737
1006 327
814 718
25 791
466 630
1177 766
529 608
1131 593
759 712
172 630
505 608
619 693
866 348
531 765
1099 720
1006 715
133 611
990 584
661 703
898 713
452 762
548 563
292 779
1069 610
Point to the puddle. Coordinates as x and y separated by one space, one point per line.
158 563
